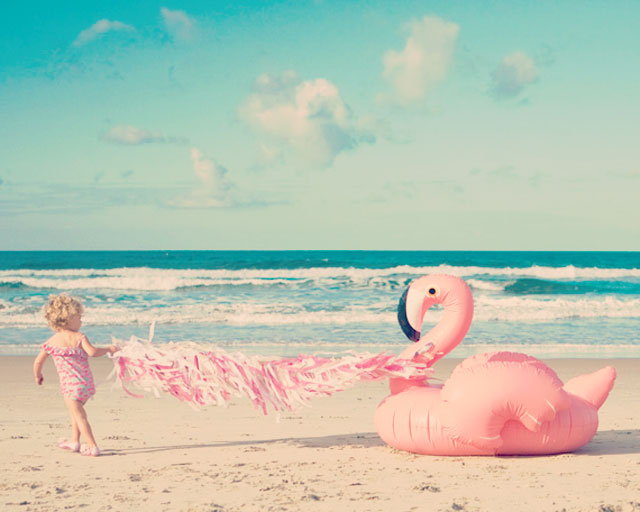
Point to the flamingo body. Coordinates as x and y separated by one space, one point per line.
498 403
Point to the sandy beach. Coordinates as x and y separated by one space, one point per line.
159 454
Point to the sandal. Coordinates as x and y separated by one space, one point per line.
89 451
68 445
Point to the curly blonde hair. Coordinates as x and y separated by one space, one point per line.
60 309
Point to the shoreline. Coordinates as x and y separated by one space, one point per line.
162 455
545 352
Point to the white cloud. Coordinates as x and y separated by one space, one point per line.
133 136
178 23
424 60
308 117
213 189
513 74
98 28
269 154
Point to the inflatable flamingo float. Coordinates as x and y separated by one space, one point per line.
499 403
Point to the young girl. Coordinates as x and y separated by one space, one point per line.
70 350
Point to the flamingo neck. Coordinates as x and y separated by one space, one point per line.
448 332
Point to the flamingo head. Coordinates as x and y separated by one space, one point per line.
455 296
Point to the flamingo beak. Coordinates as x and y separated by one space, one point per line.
407 314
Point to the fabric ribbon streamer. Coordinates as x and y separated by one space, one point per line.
200 376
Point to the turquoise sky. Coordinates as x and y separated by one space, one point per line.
320 125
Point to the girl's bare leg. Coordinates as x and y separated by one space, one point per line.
82 423
75 431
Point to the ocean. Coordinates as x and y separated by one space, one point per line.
284 303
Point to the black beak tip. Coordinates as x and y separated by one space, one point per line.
409 331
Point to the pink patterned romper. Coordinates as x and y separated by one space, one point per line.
76 379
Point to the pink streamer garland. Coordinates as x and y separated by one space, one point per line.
212 377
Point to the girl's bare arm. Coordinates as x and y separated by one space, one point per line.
37 366
97 351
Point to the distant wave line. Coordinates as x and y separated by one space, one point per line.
568 271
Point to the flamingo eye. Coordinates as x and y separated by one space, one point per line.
432 291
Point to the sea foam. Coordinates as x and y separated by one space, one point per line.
150 279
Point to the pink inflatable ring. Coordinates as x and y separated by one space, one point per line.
499 403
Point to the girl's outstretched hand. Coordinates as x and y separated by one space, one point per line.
39 379
113 349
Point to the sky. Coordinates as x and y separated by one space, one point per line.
408 125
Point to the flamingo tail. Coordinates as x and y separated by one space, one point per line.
593 387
